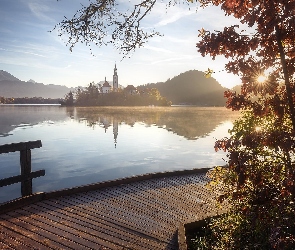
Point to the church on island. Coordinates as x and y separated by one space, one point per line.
106 87
106 93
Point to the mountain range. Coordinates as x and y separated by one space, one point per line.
10 86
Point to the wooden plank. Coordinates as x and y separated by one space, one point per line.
135 206
13 147
127 217
102 218
144 206
106 226
18 241
107 184
159 197
117 182
20 202
101 230
34 233
86 239
19 178
134 213
164 211
105 211
163 196
4 246
160 229
206 208
139 215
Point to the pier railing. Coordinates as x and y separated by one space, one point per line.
26 175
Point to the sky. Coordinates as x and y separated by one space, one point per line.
29 51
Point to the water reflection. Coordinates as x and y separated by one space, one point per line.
17 116
191 123
86 145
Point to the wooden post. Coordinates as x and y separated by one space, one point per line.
26 167
26 175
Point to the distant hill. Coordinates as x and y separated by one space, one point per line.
191 87
6 76
11 86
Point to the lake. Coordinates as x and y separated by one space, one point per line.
93 144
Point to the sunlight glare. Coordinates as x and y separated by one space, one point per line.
261 78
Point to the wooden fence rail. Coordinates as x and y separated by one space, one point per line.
26 175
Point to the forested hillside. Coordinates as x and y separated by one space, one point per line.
191 87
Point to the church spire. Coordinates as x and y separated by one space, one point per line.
115 79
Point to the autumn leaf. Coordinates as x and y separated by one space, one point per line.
208 73
202 32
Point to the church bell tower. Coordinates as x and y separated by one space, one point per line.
115 79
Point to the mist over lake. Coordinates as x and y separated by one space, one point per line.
93 144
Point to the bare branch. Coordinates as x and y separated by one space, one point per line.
102 23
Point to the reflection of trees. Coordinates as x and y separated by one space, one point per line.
191 122
70 111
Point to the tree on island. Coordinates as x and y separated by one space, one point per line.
69 99
91 96
259 180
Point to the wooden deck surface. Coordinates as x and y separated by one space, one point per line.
139 215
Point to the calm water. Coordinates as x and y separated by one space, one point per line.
86 145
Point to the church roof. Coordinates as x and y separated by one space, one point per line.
106 84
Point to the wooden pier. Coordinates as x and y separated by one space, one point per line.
142 212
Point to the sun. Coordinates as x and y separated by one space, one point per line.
261 78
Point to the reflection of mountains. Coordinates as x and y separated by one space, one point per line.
12 116
190 122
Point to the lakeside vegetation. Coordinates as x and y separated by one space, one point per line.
91 96
29 100
258 182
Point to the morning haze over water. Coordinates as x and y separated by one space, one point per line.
93 144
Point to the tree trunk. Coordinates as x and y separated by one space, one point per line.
286 76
